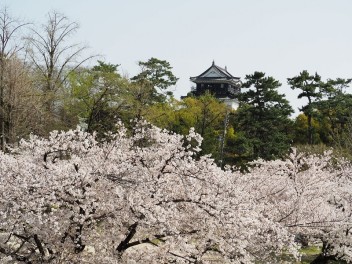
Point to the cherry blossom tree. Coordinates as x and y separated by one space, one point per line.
140 198
310 195
145 196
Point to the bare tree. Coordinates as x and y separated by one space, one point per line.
53 56
22 103
9 28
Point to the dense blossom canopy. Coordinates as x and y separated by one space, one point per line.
146 196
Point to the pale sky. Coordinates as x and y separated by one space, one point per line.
278 37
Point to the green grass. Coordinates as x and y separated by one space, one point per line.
308 251
309 254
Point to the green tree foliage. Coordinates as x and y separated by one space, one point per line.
205 113
336 104
334 109
310 86
262 121
157 76
327 112
144 96
101 95
164 114
300 136
95 96
137 99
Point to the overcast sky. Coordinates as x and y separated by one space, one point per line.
278 37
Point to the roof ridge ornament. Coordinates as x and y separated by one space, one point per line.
213 63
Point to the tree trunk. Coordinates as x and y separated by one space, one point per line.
310 130
2 102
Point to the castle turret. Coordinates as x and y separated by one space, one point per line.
219 82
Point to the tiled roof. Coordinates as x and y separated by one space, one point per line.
223 73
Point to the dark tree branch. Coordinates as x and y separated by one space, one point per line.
124 244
